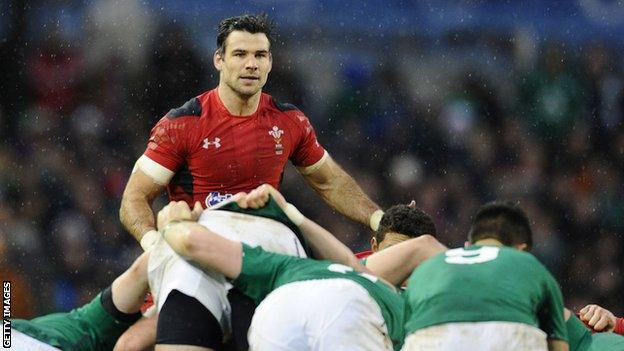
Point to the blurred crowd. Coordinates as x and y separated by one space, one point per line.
451 122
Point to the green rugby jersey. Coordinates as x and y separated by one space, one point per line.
88 327
484 283
579 337
607 341
263 272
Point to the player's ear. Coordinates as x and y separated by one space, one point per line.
374 244
217 59
522 247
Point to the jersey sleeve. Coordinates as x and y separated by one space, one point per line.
259 272
167 143
550 313
307 150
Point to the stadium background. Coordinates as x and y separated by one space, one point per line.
450 103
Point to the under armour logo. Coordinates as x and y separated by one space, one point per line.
216 143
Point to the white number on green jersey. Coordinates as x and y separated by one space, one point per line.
461 256
340 268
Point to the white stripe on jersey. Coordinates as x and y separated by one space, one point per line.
159 173
311 169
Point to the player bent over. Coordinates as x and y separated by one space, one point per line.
306 304
94 326
488 296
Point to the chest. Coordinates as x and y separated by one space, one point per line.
242 149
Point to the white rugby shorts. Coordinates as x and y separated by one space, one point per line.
168 271
320 315
21 341
477 336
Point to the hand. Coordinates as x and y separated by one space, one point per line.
412 204
259 197
598 318
178 211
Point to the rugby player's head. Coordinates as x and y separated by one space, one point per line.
503 221
400 223
243 57
252 24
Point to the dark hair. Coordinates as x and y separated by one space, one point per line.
503 221
405 220
248 23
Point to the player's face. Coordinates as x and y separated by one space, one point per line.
246 63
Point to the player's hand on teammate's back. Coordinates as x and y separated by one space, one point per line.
600 319
178 211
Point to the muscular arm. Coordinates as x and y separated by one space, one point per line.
129 289
198 243
326 247
396 263
323 244
340 191
136 212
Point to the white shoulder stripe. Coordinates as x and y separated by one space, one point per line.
313 168
159 173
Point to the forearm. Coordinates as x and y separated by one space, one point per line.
136 215
325 246
396 263
344 195
129 289
197 243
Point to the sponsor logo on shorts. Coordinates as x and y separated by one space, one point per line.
6 314
215 197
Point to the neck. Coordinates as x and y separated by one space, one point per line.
237 104
488 242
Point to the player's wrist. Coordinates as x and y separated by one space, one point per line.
149 239
294 214
375 219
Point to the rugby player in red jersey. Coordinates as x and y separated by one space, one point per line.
227 140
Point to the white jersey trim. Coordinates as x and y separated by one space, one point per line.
159 173
313 168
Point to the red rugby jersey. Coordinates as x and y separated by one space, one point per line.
215 154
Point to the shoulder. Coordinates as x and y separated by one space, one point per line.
191 108
289 113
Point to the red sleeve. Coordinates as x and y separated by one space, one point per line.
167 144
307 150
619 326
363 254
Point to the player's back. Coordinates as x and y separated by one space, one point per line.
263 272
479 283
